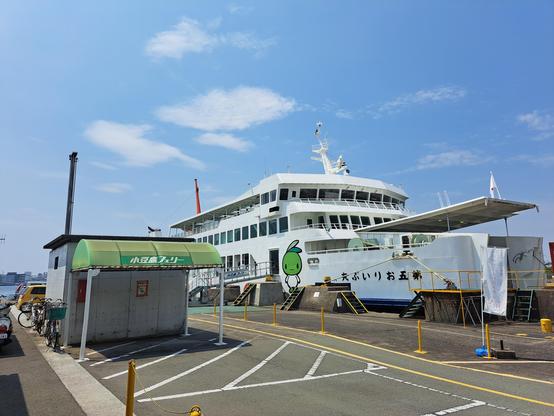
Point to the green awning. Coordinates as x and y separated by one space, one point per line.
143 255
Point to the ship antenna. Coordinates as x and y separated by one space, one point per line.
321 151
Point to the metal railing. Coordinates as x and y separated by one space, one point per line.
354 203
329 226
399 247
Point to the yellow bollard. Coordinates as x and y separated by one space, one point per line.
195 411
546 325
274 314
245 312
322 321
215 309
488 339
419 339
131 373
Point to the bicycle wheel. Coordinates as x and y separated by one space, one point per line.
24 319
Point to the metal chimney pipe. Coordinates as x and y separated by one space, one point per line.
70 192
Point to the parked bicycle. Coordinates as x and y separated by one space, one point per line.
32 314
54 314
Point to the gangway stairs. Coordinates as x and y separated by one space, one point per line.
292 299
248 288
414 307
523 305
353 302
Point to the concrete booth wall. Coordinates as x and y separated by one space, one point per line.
124 303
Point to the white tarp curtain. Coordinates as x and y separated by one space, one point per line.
495 280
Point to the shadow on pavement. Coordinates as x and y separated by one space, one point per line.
12 391
13 349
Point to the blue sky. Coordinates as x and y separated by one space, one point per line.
430 95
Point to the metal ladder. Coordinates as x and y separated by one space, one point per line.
353 302
242 297
292 298
523 305
413 307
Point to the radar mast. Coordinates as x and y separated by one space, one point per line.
329 167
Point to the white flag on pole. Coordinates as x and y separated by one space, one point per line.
495 280
493 187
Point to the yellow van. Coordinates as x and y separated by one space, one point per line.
29 293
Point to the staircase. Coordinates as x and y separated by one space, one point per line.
242 297
292 298
353 302
523 305
195 291
414 307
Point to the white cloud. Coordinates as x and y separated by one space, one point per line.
341 113
234 8
450 159
434 95
235 109
103 165
127 140
545 160
114 187
190 36
225 140
540 122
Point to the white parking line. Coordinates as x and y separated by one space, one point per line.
107 360
109 348
316 364
184 373
248 386
147 364
256 367
474 403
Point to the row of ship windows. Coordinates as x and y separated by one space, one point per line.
312 193
262 229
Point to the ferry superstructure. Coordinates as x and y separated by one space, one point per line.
344 229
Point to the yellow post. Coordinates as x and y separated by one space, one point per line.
274 314
131 373
419 339
245 311
488 339
195 411
546 325
215 309
461 299
322 321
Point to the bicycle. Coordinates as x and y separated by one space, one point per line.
54 313
29 316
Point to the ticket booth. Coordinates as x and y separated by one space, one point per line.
119 288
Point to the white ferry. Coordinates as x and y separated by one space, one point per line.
354 230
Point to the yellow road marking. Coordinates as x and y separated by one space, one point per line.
371 360
521 335
404 354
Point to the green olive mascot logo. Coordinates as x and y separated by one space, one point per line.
292 264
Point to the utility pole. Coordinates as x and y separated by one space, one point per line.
70 192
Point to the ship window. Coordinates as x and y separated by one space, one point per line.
334 221
245 260
229 262
347 194
199 240
237 234
265 198
362 195
223 238
283 194
293 194
375 197
308 193
230 236
216 239
283 224
328 194
387 219
253 230
355 220
344 221
245 233
386 198
366 221
272 227
377 220
263 229
211 239
273 195
204 239
321 220
394 201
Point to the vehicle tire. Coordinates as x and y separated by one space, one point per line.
24 320
57 341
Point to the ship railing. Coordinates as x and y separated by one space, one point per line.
329 226
419 278
406 246
239 273
354 203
